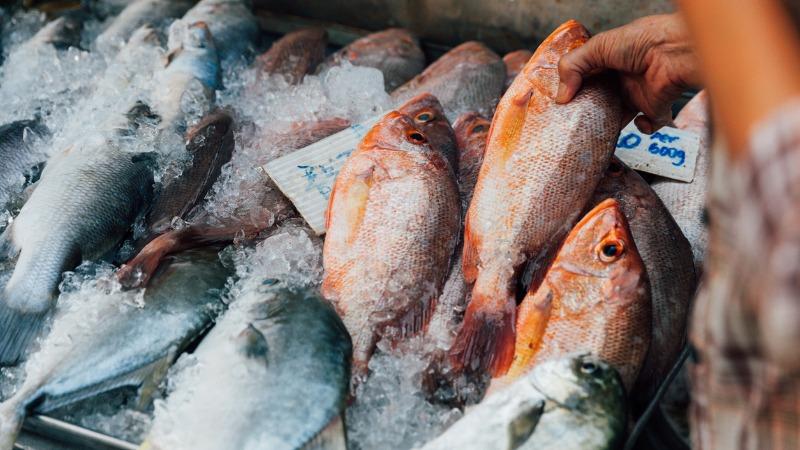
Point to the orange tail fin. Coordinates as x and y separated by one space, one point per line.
487 336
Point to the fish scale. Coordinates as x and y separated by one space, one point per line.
544 160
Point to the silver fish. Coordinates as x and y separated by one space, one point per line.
185 88
284 358
108 343
84 204
135 15
687 201
19 156
232 23
573 403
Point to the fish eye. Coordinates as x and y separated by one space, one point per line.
589 368
610 250
615 168
415 137
479 128
424 117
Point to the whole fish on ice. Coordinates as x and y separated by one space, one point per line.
282 355
569 403
468 78
136 14
542 163
667 257
107 343
294 55
687 201
395 52
232 23
392 224
595 298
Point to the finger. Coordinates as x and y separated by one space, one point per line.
586 60
644 124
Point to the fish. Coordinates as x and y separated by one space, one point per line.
60 33
428 115
595 298
210 144
687 201
231 22
392 225
203 229
186 88
395 52
668 260
514 62
84 204
471 130
568 403
468 78
283 356
119 343
294 55
542 163
20 156
136 14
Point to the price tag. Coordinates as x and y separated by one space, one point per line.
306 176
669 152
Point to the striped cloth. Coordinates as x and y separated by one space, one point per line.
746 323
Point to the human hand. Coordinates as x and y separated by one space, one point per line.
655 60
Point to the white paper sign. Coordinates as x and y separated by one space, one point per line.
669 152
306 176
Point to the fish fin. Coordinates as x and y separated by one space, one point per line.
469 263
12 414
332 437
487 337
522 427
171 55
253 344
17 330
532 317
350 195
510 124
157 373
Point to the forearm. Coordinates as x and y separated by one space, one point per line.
750 60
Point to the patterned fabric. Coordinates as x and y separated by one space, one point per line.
746 322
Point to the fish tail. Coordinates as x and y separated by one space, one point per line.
487 336
11 418
17 329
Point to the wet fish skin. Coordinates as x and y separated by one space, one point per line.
290 351
232 23
471 131
18 155
687 201
192 71
514 62
294 55
468 78
136 14
667 257
395 52
84 204
211 144
570 403
541 166
392 226
127 346
429 116
595 298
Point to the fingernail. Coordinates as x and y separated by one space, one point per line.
562 93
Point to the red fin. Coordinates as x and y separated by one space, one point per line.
487 337
469 264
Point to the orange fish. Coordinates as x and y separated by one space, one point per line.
542 164
594 299
294 55
514 62
392 226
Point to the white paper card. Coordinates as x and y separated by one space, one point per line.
306 176
669 152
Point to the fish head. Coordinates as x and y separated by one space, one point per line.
600 247
398 132
541 71
428 115
576 381
471 130
192 49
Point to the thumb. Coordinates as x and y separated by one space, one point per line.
588 59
